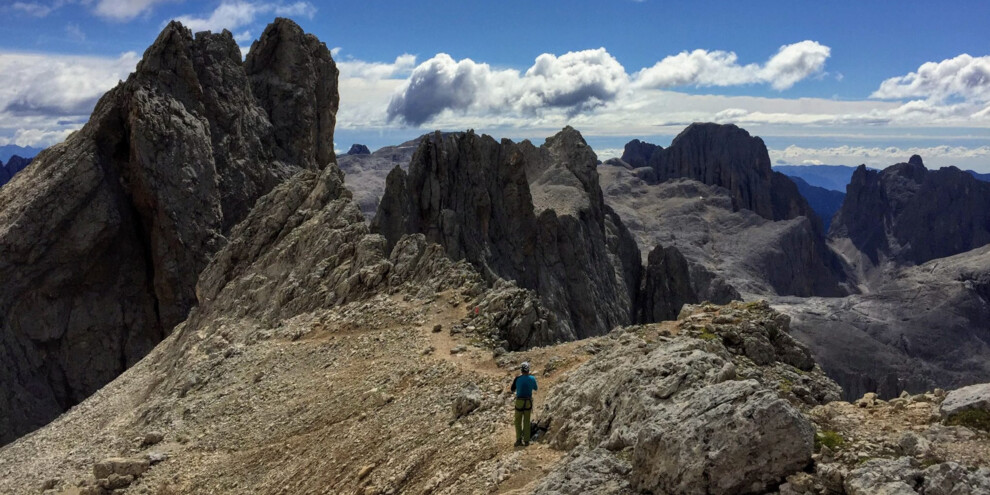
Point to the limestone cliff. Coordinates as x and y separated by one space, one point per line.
102 239
532 215
909 214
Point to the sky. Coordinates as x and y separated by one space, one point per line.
821 82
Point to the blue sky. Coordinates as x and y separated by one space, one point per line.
821 82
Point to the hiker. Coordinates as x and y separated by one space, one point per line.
523 386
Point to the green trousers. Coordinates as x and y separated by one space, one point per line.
523 409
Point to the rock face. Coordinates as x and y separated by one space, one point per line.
637 153
102 239
14 164
728 157
909 214
531 215
734 170
696 416
665 286
731 252
924 328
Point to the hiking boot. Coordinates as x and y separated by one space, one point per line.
525 444
518 443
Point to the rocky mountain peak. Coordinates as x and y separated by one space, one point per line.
103 238
637 153
300 104
358 149
531 215
909 214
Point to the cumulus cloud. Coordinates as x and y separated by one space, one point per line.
791 64
56 85
235 14
963 77
32 8
360 69
125 10
38 138
573 81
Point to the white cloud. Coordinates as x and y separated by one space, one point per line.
38 138
46 96
302 9
964 78
235 14
58 85
125 10
881 157
75 32
574 81
360 69
791 64
32 8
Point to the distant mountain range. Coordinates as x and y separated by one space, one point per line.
10 150
834 177
824 201
14 164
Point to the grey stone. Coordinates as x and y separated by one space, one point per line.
966 398
884 476
950 478
468 399
688 432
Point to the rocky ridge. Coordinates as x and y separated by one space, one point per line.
908 214
103 237
534 216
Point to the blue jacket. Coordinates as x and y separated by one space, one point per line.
523 386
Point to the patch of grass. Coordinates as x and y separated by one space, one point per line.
830 439
707 335
785 386
977 419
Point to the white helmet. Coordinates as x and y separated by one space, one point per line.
525 367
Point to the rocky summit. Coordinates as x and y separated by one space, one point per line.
531 215
102 239
908 214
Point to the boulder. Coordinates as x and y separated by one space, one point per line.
467 401
885 476
904 476
973 397
597 471
689 425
